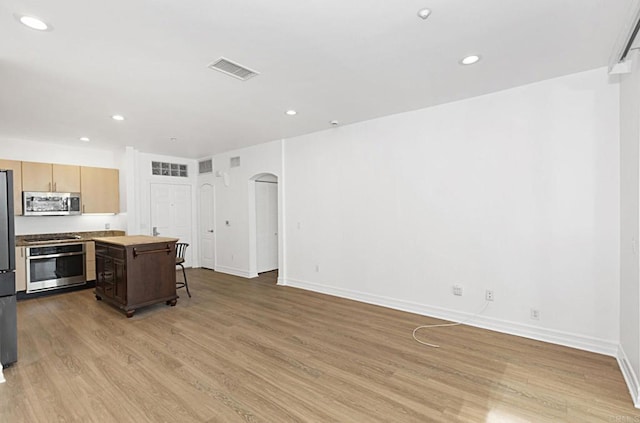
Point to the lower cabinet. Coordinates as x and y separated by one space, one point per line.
90 260
133 276
21 269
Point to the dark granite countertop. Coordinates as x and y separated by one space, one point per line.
62 238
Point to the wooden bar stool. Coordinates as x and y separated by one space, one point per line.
181 249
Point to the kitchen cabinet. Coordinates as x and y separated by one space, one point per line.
90 260
21 269
135 271
47 177
100 190
16 166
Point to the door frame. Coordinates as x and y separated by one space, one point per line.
201 225
253 238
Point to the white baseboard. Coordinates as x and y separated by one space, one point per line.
513 328
629 376
234 271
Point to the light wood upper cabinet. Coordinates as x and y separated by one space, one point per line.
100 190
36 176
50 177
16 166
66 178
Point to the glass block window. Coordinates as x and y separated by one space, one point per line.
169 169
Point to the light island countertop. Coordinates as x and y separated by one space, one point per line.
129 240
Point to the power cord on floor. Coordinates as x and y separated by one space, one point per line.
445 325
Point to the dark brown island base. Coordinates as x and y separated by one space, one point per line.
135 271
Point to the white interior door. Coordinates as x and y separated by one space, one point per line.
267 226
207 234
171 213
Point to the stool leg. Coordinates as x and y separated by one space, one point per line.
186 285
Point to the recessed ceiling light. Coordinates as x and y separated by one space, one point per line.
291 112
117 117
470 60
33 23
424 13
85 139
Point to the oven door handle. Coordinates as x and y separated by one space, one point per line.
55 255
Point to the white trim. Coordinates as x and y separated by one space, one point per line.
282 218
622 67
629 376
253 227
235 272
578 341
2 379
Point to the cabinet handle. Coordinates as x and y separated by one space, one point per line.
137 253
55 187
49 186
83 208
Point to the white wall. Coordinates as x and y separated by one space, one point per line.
516 191
28 225
629 355
234 248
82 155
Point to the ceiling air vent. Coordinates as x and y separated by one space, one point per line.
205 166
232 69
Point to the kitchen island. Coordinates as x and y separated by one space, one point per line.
135 271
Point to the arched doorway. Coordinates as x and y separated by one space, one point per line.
263 223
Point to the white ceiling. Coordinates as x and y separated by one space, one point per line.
348 60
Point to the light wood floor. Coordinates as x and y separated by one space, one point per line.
250 351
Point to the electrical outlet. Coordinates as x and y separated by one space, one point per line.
488 295
107 226
535 314
457 290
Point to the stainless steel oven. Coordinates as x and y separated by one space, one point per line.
55 266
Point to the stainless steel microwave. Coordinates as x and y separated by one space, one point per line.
50 203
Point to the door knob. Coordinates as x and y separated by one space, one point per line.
210 230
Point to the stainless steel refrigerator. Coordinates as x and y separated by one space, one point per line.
8 317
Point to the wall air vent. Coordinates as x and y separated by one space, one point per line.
205 166
234 161
232 69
